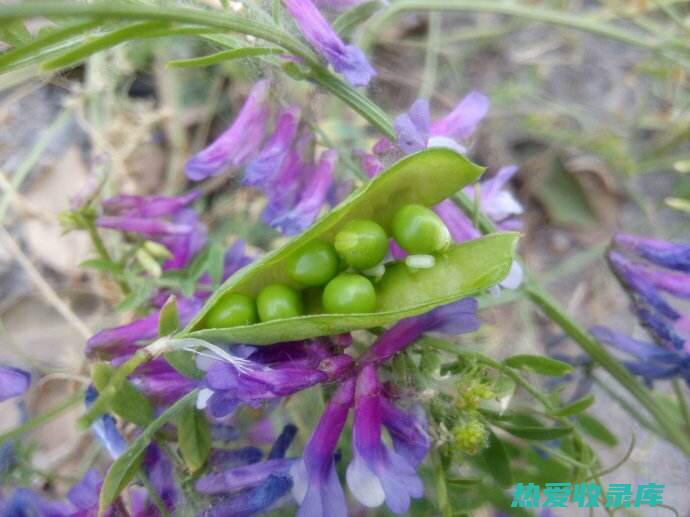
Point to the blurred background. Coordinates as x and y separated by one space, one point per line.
599 127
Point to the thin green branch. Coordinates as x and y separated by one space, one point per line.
128 11
534 13
682 401
43 418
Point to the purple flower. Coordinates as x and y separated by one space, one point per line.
148 206
408 431
252 381
650 270
161 383
25 502
269 160
649 361
165 219
84 494
662 253
415 131
464 119
150 228
377 473
283 189
13 382
316 484
159 470
412 128
455 318
252 486
371 164
345 59
305 212
186 246
105 429
121 340
237 144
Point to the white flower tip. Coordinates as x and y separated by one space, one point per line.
514 278
364 484
448 143
202 398
298 473
420 261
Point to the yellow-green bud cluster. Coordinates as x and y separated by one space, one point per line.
470 436
471 393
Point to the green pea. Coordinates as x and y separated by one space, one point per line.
231 310
277 301
362 243
349 293
418 230
314 265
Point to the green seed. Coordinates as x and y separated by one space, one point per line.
231 310
418 230
277 301
349 293
314 265
362 243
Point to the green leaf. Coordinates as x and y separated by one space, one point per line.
463 482
346 23
597 430
169 319
194 437
41 45
125 467
537 432
184 362
15 33
426 178
539 364
169 323
496 461
224 55
103 265
128 403
575 407
141 293
102 42
216 263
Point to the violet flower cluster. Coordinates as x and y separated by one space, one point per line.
378 473
656 275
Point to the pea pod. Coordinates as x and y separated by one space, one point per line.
424 178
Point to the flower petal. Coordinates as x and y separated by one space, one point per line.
13 382
463 120
238 142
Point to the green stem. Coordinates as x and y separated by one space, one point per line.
152 493
431 58
551 308
129 11
43 418
600 355
441 487
102 403
682 402
104 253
536 13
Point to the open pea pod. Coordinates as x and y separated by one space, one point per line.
426 178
